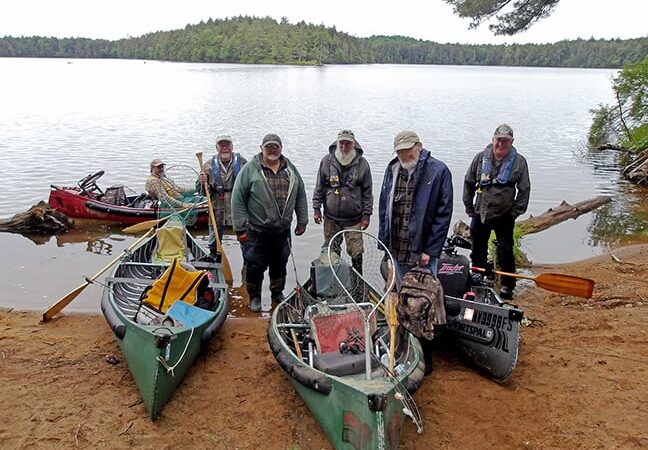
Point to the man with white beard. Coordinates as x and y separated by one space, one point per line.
415 209
415 205
344 187
266 195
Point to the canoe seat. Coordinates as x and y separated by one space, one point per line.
342 364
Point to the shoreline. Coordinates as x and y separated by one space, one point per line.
578 382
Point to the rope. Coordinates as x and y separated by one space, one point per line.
298 288
162 361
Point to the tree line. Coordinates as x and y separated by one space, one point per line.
253 40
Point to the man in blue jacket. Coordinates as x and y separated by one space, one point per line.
415 205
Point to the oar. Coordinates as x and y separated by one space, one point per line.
143 226
555 282
63 302
227 269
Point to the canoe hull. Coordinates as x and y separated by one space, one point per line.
347 419
143 345
71 202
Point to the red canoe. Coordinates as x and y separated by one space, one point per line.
88 201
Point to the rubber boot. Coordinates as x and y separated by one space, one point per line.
276 289
254 292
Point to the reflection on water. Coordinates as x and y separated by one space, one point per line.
59 122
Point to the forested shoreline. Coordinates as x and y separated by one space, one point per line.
252 40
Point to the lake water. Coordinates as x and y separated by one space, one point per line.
62 119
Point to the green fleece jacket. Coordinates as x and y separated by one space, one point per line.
254 205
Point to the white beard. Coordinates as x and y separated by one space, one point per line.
409 166
273 158
343 159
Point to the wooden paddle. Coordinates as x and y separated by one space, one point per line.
555 282
143 226
227 269
392 317
63 302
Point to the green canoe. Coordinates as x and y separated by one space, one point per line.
355 411
160 348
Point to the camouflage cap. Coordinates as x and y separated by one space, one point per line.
503 132
346 135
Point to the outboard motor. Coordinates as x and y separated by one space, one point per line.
454 271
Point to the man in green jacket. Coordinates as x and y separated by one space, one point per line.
266 193
496 191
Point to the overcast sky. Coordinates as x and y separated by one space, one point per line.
423 19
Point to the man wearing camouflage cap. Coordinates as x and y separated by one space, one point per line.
496 191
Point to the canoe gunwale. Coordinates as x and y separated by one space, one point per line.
306 375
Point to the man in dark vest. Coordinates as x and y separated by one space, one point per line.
220 172
496 191
343 185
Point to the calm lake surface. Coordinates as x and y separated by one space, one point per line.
63 119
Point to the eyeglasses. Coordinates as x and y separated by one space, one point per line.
271 146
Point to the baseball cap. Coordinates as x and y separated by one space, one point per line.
271 138
157 162
405 139
503 131
223 137
346 135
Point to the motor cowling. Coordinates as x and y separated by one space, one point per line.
454 274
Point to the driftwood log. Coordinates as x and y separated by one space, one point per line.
549 218
41 219
637 171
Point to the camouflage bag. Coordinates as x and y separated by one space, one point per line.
420 303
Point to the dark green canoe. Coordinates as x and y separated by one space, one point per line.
159 355
355 411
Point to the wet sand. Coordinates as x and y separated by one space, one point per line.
579 383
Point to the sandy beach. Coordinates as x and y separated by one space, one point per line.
579 383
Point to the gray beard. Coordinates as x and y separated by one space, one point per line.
343 159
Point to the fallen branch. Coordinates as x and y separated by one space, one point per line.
616 259
611 147
126 428
554 216
549 218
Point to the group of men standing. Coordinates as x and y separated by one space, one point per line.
259 199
